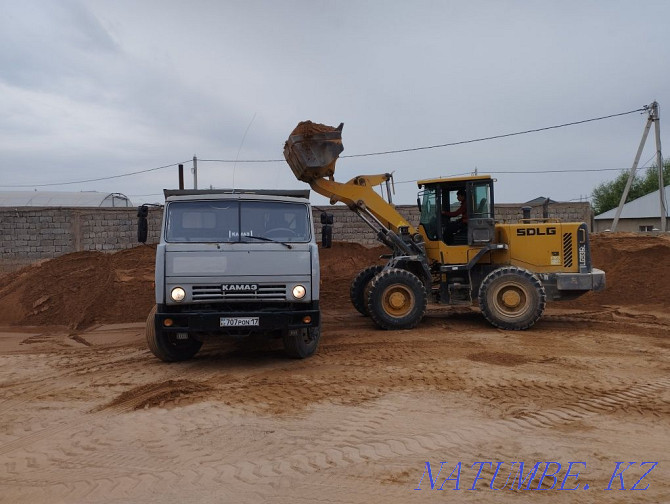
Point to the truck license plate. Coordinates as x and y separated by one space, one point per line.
239 321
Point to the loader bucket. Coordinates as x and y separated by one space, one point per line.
312 150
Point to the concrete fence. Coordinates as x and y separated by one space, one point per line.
30 234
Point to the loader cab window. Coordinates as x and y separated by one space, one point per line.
450 201
481 201
429 207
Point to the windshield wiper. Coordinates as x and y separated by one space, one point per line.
263 238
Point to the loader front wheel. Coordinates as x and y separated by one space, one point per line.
169 347
357 291
396 299
512 298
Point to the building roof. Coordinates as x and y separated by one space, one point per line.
63 199
644 207
539 201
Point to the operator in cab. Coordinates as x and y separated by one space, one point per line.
457 224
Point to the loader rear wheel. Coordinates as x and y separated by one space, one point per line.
167 347
396 299
512 298
357 291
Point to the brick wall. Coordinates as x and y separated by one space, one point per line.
30 234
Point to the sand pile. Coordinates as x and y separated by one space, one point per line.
307 128
85 288
637 268
80 289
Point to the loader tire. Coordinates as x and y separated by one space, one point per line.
397 299
166 346
302 343
357 291
512 298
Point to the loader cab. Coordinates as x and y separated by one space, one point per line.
440 197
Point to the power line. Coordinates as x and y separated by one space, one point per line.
380 153
506 135
99 178
451 144
243 160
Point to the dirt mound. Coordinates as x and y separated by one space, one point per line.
85 288
637 269
339 265
80 289
310 128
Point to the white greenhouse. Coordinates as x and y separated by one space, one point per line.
15 199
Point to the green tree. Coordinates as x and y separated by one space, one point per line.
607 195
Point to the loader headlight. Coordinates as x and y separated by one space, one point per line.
178 294
299 291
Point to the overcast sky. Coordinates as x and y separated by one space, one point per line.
100 88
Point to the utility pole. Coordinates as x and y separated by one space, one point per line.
195 172
653 118
659 162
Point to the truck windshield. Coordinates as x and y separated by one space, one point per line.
233 221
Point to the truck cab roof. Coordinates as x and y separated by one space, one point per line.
277 194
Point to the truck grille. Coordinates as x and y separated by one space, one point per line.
270 292
567 250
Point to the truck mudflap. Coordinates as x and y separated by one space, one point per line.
226 322
593 281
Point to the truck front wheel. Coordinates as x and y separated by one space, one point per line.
512 298
169 347
302 343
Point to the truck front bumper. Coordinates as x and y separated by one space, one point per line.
593 281
213 321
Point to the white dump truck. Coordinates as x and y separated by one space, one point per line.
232 264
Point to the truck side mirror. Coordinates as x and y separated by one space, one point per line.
142 223
326 230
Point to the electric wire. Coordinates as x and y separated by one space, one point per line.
495 137
451 144
99 178
379 153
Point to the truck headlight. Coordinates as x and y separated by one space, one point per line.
178 294
299 292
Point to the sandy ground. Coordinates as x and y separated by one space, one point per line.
88 414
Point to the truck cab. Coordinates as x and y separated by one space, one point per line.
235 263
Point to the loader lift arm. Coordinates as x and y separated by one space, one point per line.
358 194
312 159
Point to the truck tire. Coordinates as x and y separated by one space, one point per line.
166 346
397 299
302 343
357 291
512 298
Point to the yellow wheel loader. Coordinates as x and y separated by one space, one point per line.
511 270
